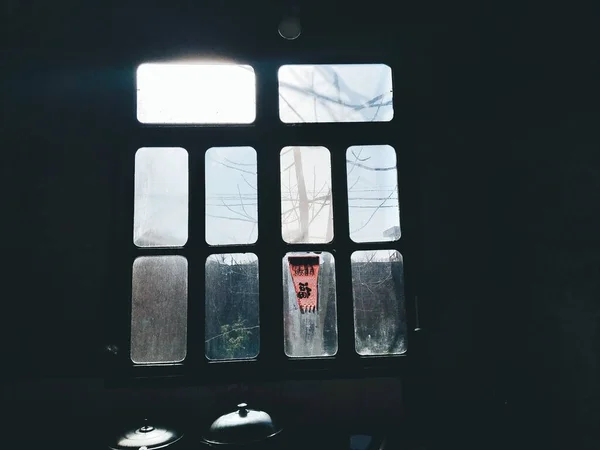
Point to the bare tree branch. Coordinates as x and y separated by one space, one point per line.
375 212
340 84
235 168
373 198
357 107
285 152
242 201
231 218
238 163
321 208
248 183
355 183
287 168
252 230
236 212
371 207
219 205
313 200
292 108
357 157
375 169
314 98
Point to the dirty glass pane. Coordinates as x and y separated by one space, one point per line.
378 292
180 93
232 321
335 93
231 196
373 208
160 217
306 199
309 332
159 309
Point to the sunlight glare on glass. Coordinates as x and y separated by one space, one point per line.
192 93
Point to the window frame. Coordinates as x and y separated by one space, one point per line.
267 135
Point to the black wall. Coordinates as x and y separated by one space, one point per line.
505 103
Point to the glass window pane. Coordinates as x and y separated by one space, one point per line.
195 93
378 291
306 199
309 305
159 309
231 196
373 208
335 93
160 217
232 321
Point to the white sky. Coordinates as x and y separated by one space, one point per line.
231 196
195 93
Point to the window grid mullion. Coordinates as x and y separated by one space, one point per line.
196 261
343 250
269 244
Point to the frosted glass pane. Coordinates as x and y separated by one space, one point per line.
159 309
310 333
231 196
373 208
378 294
160 216
232 320
306 198
196 93
335 93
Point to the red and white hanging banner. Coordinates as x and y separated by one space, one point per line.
305 275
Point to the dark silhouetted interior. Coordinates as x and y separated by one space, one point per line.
505 118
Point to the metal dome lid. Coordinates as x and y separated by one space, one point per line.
146 437
243 426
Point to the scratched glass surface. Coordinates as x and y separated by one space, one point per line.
178 93
373 208
160 217
306 196
231 196
159 309
335 93
379 305
311 334
232 313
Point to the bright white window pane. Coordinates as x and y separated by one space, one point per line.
161 197
378 293
159 309
160 216
373 207
231 196
195 93
310 333
232 320
335 93
306 199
